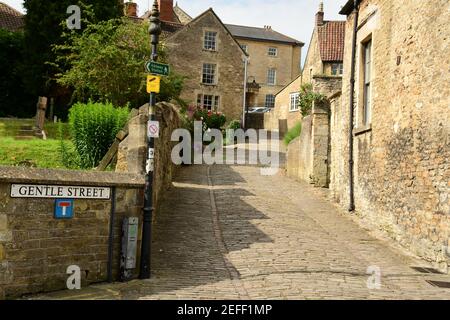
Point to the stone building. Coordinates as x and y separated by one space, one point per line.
10 18
326 50
274 61
398 124
323 69
213 62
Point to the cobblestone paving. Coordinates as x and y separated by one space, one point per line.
226 232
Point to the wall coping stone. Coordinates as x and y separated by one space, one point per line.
326 77
70 177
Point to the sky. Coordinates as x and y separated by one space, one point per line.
294 18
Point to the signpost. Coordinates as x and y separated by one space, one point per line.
153 129
157 68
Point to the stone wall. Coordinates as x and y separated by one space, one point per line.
402 169
326 85
132 154
307 156
36 249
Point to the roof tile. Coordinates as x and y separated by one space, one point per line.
331 40
10 19
266 34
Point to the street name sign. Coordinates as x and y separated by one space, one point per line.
157 68
59 192
153 84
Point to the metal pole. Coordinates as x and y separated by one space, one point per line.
244 122
111 235
145 272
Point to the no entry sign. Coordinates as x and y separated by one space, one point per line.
153 129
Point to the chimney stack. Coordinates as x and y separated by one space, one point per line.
130 9
166 10
320 15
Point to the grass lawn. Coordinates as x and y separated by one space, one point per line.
36 152
10 127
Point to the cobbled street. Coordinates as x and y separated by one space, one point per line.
227 232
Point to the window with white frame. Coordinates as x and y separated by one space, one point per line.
209 73
210 42
294 101
270 101
367 82
273 52
271 77
244 47
337 69
209 102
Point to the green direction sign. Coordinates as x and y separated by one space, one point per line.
157 68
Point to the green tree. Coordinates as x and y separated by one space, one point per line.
307 98
106 63
44 25
14 99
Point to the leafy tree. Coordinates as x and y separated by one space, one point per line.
106 63
44 25
307 98
14 99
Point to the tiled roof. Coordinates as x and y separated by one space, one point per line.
331 37
265 34
181 15
10 18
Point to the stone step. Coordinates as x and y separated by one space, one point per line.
24 132
26 127
24 137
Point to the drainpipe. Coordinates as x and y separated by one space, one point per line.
352 100
244 121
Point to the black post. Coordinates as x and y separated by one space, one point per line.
145 272
351 164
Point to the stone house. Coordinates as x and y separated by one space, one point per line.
323 69
10 18
396 118
213 62
274 61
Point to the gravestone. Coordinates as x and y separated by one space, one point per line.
40 116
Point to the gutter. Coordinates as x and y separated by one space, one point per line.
351 207
245 107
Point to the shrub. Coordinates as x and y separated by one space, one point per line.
210 119
93 128
69 157
307 98
234 125
293 133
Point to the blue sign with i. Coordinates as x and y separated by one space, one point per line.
63 208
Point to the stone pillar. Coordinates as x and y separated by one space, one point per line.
320 142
